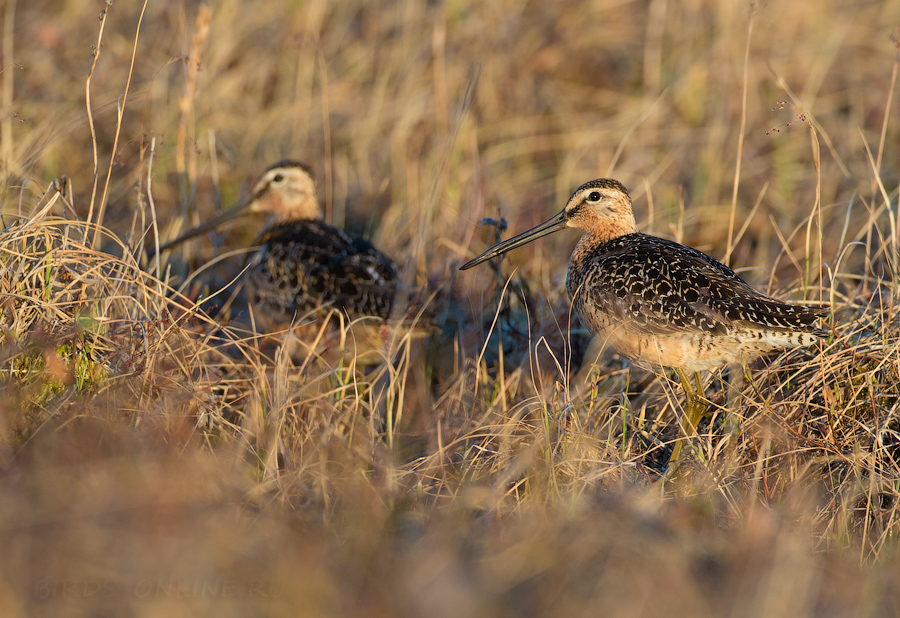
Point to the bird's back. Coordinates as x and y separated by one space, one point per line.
665 304
305 264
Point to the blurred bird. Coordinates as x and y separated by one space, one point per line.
660 303
304 263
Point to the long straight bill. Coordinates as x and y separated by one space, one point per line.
555 224
233 212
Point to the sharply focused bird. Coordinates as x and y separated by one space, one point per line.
304 263
660 303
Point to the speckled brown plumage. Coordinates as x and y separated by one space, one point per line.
662 304
302 262
302 265
658 302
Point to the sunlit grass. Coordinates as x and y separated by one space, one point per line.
499 464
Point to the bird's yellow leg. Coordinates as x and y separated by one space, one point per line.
695 408
699 382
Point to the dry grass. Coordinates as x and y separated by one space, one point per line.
159 458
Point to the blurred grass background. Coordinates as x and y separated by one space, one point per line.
156 463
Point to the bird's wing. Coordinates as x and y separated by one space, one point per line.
657 285
318 264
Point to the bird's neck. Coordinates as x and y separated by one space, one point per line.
591 239
287 216
610 230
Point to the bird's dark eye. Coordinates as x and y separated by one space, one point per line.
278 177
594 196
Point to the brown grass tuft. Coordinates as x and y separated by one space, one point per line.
158 456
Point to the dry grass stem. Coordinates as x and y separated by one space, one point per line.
477 454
